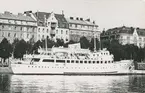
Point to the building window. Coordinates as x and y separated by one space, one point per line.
43 36
27 28
38 29
9 34
3 26
43 30
61 31
33 29
75 25
27 35
2 34
21 28
66 32
57 31
15 28
15 35
47 30
140 39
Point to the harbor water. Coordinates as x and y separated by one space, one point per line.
72 84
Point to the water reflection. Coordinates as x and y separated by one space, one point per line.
71 84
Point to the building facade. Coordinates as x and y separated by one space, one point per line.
79 27
19 26
126 35
52 25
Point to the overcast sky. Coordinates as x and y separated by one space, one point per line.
106 13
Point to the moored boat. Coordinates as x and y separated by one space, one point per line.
71 61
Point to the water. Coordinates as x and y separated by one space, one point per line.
71 84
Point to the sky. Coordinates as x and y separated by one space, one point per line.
106 13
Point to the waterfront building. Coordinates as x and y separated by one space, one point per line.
21 26
52 25
79 27
126 35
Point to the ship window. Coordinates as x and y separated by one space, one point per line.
77 61
72 61
60 61
35 59
48 60
101 61
112 61
89 61
81 61
108 61
97 61
93 61
105 61
68 61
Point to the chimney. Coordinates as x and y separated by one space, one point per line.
77 18
88 19
93 22
20 14
81 19
28 13
7 12
71 18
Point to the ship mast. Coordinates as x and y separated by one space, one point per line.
94 39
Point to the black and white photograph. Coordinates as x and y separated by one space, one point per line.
72 46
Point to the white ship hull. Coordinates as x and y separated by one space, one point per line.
72 68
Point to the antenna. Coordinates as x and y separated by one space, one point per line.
44 28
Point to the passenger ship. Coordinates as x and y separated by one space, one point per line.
71 61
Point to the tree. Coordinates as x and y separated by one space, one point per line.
84 42
5 49
117 50
36 46
92 44
20 49
59 42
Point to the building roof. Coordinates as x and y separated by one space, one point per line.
62 23
127 30
80 21
8 15
141 32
